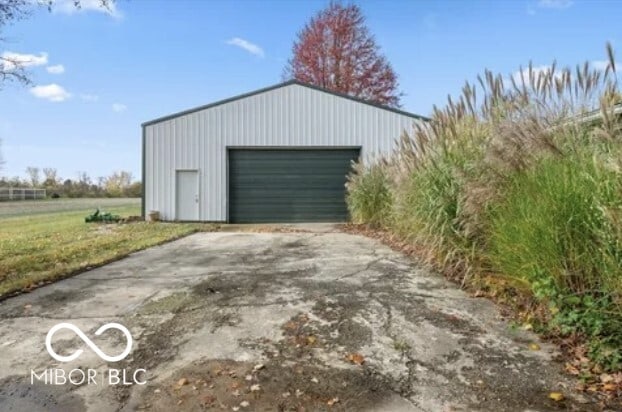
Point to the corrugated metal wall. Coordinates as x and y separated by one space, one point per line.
293 115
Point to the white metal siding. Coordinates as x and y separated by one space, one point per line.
293 115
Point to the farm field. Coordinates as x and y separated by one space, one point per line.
43 241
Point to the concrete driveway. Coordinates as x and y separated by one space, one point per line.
270 321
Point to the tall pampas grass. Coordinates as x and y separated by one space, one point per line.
519 177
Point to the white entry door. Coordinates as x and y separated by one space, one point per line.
187 195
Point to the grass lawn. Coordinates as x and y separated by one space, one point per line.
53 244
34 207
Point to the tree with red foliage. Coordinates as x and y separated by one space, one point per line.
336 51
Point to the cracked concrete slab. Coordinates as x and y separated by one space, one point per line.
335 322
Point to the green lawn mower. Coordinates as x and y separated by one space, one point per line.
100 216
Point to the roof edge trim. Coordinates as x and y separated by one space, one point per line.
277 86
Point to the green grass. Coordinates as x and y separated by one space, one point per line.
369 199
555 230
32 207
49 246
554 221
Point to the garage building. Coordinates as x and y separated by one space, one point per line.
279 154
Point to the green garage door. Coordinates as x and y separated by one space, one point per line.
288 185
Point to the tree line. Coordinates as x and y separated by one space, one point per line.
118 184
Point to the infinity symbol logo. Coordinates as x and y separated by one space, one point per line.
76 354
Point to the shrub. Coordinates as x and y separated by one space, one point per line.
523 185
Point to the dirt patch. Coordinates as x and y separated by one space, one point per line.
225 384
224 287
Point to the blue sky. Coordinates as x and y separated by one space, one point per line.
149 58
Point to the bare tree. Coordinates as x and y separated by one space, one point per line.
10 11
33 175
11 68
50 177
84 180
116 183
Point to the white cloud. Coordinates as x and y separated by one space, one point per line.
12 60
52 92
599 65
537 70
602 65
69 7
555 4
119 107
57 69
89 97
246 45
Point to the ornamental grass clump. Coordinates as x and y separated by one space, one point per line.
519 179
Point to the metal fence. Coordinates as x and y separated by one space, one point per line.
21 193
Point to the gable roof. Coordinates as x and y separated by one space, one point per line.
278 86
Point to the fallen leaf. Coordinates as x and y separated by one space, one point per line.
181 382
245 404
249 377
311 340
314 380
571 369
332 401
610 387
606 378
556 396
258 367
290 325
356 358
208 400
255 388
534 346
286 394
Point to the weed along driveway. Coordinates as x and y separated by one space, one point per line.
269 321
